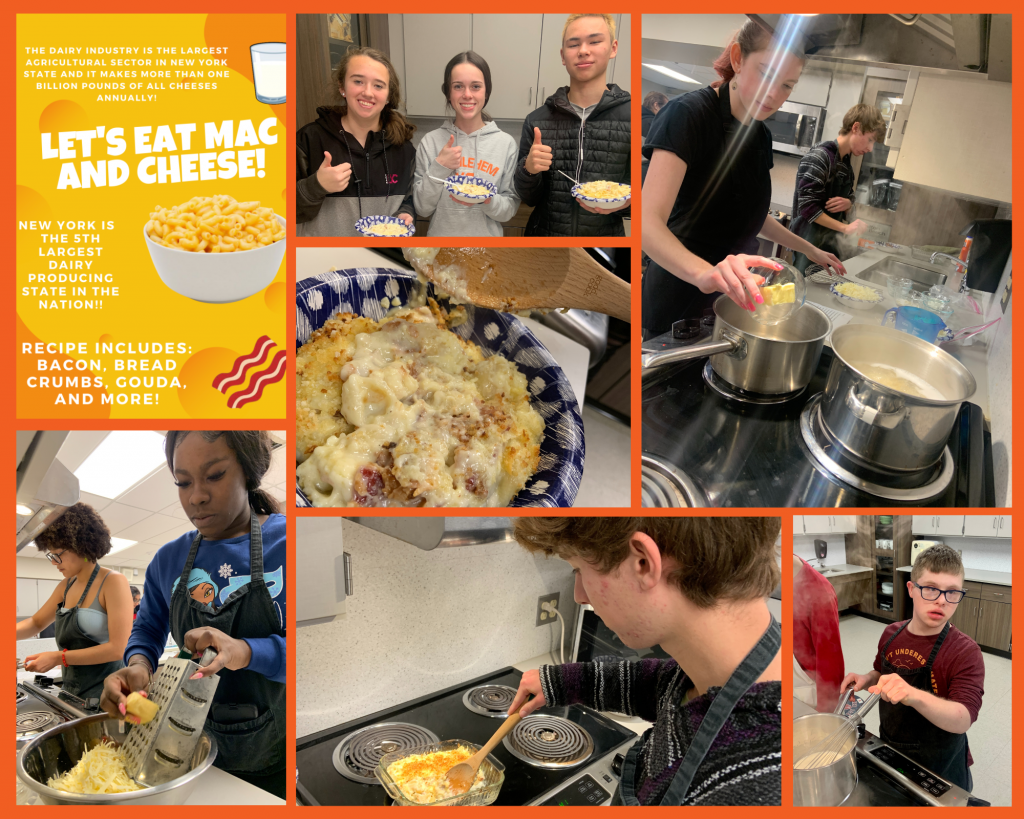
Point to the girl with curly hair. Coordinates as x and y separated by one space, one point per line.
92 610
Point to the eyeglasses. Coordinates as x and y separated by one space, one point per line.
54 557
932 593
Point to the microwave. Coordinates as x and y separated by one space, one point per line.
796 127
593 640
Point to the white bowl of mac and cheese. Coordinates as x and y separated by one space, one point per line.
195 260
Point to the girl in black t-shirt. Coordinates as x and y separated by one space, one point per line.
708 188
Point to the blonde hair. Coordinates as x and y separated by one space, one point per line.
572 18
870 119
720 558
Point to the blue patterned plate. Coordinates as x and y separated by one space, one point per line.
601 204
562 451
363 224
469 198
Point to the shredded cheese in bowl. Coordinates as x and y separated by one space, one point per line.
421 777
858 291
387 229
100 770
604 190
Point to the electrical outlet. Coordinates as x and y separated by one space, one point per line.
543 618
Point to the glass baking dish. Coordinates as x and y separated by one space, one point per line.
483 794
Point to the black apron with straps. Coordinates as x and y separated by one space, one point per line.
253 750
85 681
741 681
909 732
725 221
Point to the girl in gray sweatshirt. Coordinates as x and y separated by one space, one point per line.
469 145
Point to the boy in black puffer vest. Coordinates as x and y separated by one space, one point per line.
581 130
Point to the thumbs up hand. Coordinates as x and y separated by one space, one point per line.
539 158
450 155
333 179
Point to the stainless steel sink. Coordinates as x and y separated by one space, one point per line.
922 277
831 571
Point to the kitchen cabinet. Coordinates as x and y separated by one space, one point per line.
965 617
511 44
994 626
552 73
830 524
31 593
984 615
987 526
425 58
798 525
620 71
959 137
949 525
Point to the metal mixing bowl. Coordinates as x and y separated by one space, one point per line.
56 751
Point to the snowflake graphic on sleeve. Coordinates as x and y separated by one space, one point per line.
225 570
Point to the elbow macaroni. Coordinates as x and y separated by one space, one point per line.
214 224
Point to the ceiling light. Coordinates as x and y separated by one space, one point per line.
120 461
668 72
118 544
25 511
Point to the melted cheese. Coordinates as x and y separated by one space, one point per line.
387 229
470 189
405 413
100 770
604 190
422 776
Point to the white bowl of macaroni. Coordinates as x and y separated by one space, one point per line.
602 194
214 249
470 190
417 776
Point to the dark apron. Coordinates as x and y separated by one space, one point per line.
940 751
734 198
741 681
254 750
85 681
822 238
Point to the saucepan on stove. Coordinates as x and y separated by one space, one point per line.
891 399
755 357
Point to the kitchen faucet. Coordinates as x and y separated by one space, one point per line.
961 266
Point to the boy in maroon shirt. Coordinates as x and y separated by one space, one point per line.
930 675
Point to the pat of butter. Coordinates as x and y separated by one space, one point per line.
779 294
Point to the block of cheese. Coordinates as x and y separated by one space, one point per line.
141 707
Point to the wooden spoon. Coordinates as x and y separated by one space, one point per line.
462 775
523 278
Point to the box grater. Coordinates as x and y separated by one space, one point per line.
162 750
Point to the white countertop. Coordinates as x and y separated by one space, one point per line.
634 724
572 357
974 358
979 576
842 570
216 787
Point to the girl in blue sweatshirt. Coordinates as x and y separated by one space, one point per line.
221 586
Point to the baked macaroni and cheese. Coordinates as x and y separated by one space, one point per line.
421 777
604 190
404 412
214 224
470 189
387 229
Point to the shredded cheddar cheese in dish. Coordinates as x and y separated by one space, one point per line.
604 190
470 189
100 770
858 291
403 412
387 229
421 777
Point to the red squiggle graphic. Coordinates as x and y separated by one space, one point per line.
243 364
273 373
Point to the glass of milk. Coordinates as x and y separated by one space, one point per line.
269 72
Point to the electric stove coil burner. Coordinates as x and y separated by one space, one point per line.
727 390
549 742
832 457
19 697
34 722
663 485
357 755
489 700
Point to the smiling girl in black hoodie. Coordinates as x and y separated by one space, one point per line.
357 158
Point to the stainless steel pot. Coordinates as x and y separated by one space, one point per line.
56 751
828 785
881 424
758 358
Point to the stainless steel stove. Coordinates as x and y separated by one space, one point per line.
41 705
708 444
557 756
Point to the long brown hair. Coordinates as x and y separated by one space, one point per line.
752 38
472 58
397 129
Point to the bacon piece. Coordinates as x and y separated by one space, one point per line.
243 364
273 373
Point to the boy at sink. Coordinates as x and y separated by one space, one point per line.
824 182
930 675
697 587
